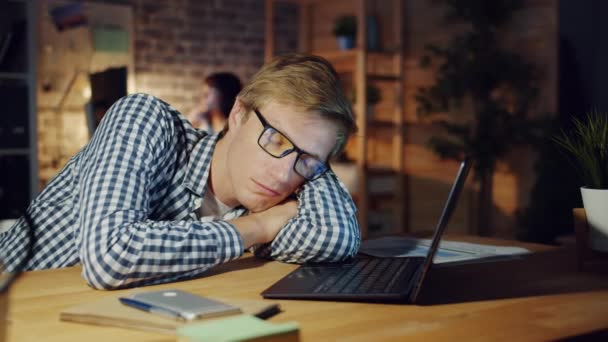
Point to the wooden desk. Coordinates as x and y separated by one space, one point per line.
530 299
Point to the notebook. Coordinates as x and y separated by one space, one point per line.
365 278
110 312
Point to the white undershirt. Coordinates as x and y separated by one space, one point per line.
211 208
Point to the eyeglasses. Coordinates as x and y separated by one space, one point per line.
278 145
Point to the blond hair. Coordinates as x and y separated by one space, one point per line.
306 82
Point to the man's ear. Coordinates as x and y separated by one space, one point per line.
235 119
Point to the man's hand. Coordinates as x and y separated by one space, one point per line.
263 227
275 218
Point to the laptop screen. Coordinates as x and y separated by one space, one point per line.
448 209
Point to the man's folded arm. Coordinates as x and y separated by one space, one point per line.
146 252
324 230
119 245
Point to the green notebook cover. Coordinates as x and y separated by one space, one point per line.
235 328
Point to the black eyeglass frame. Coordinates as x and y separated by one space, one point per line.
285 153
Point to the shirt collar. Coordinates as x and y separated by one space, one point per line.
199 164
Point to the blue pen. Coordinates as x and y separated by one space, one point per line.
134 303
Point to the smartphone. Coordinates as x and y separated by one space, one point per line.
189 306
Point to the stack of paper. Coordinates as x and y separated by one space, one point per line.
448 252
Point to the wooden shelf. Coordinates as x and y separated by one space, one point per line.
381 196
333 55
383 124
362 67
348 173
345 61
379 170
383 78
350 53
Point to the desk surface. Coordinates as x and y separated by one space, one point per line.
531 299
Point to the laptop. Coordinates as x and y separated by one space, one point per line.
367 278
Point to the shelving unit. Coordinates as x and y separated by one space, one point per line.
379 188
18 150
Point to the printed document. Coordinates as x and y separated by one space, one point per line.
448 252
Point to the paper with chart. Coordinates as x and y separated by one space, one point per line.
449 251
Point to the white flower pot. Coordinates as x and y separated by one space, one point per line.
595 202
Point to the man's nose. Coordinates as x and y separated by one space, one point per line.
281 169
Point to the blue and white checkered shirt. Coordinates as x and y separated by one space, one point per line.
126 207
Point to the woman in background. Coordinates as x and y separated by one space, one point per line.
217 97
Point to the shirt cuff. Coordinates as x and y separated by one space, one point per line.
229 241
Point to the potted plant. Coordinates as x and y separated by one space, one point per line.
495 88
587 147
345 30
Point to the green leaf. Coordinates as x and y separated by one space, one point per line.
587 146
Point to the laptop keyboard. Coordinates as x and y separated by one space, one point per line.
369 276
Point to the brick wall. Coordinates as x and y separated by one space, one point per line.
176 43
179 42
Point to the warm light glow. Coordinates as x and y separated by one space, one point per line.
86 92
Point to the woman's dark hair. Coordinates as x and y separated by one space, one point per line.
228 85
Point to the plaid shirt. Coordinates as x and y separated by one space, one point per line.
125 207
